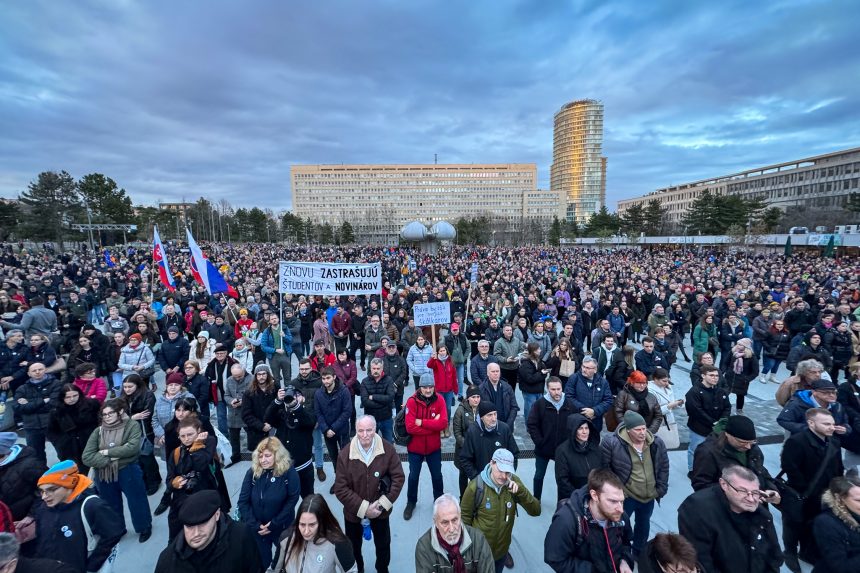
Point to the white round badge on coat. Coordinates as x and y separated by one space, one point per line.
498 444
376 474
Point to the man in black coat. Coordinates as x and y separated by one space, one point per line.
547 426
810 459
11 561
705 404
210 542
294 425
483 438
735 446
173 352
395 367
730 527
377 398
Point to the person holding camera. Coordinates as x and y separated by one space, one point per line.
368 481
189 468
234 389
294 425
255 402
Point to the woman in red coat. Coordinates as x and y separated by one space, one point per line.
445 377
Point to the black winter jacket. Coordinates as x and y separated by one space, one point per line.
234 551
480 444
173 353
547 425
837 532
396 369
254 408
70 428
715 454
504 399
18 482
848 394
802 455
377 397
704 407
726 542
777 345
576 543
36 413
294 427
573 461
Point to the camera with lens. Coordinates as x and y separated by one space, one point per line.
191 481
290 393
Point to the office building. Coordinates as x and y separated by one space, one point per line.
378 200
823 182
578 167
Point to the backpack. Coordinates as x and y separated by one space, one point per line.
401 436
479 496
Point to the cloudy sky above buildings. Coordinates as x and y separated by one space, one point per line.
175 100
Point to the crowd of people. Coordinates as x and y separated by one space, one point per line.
141 390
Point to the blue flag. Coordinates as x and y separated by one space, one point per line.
110 260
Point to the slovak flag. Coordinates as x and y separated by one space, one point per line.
205 272
159 258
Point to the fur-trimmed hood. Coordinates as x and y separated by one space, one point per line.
839 510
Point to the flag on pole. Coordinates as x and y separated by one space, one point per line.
159 258
110 260
205 272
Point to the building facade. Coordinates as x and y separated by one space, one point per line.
578 167
378 200
822 182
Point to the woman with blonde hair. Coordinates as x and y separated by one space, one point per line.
267 503
315 543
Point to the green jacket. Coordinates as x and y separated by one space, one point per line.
702 336
125 453
497 521
431 558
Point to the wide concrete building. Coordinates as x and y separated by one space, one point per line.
578 168
822 182
378 200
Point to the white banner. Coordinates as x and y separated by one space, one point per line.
432 313
329 278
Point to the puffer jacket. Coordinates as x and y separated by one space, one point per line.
837 531
464 417
426 438
705 406
574 461
36 413
417 359
793 415
626 401
130 357
164 408
496 510
333 409
615 450
597 396
777 345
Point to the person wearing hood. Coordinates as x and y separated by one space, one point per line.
589 392
811 347
34 402
547 426
202 349
837 527
490 504
640 461
577 455
426 419
68 500
464 417
823 395
20 468
741 367
483 438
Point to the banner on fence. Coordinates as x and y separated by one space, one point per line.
329 278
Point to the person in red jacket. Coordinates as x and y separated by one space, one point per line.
445 377
322 356
243 325
426 419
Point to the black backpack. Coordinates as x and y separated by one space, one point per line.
401 436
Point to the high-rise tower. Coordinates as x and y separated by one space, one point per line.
578 169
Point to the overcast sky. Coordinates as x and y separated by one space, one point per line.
175 100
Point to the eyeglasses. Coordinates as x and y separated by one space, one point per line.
756 493
106 413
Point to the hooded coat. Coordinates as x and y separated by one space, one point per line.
793 415
837 532
574 460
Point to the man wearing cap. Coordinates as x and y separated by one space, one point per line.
450 545
810 459
217 372
277 343
173 351
484 437
479 362
20 469
640 461
68 499
822 395
426 418
209 542
395 367
368 481
730 526
490 504
735 446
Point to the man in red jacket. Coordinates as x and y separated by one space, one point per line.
426 418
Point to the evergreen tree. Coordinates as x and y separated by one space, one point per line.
107 203
50 202
555 232
633 221
10 214
654 216
347 235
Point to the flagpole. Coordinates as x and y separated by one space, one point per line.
152 282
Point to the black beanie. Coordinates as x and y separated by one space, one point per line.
741 427
485 407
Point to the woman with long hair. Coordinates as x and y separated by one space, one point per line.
190 468
141 405
255 401
113 449
202 349
270 491
531 376
561 353
777 345
198 386
71 424
83 352
741 369
705 337
315 542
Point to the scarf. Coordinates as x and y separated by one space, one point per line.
642 399
110 436
739 361
453 551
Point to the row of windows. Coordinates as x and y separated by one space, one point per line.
400 174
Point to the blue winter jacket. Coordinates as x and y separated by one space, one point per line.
793 415
333 410
597 396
